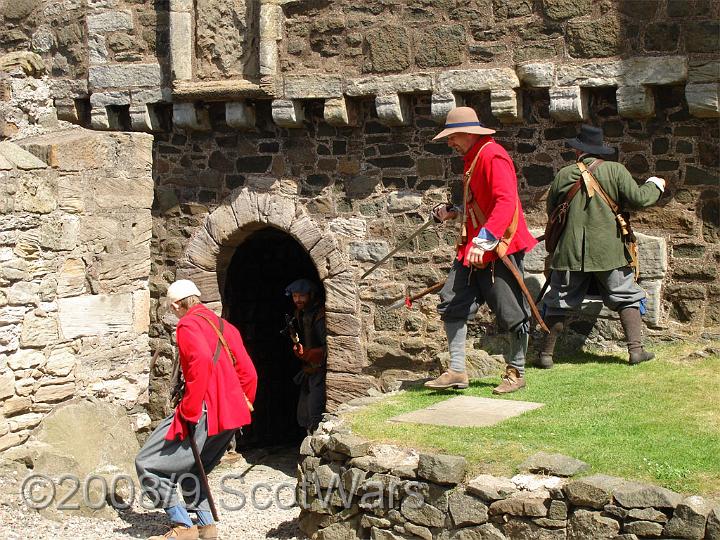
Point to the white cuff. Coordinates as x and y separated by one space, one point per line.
485 245
658 182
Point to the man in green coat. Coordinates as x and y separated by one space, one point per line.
591 245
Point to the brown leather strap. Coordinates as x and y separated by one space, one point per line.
228 351
468 198
577 185
520 281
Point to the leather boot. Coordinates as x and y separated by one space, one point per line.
449 379
207 532
632 324
178 532
556 325
511 381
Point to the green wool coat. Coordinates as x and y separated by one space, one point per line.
591 241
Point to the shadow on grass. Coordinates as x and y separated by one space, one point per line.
585 357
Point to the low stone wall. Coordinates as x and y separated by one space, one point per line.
350 489
75 230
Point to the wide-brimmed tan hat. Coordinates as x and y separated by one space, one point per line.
463 120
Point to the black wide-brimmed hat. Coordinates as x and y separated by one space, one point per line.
590 140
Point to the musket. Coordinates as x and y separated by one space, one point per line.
433 220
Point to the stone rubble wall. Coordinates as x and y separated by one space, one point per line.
381 484
371 185
75 230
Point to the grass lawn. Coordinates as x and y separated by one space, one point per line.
657 422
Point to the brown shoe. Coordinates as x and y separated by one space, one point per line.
207 532
511 381
449 379
179 532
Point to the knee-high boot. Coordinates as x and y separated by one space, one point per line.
632 324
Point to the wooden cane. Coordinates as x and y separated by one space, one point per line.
201 470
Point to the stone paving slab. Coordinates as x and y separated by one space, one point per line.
467 411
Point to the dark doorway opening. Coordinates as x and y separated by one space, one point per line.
254 300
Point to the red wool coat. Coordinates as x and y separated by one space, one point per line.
494 187
219 386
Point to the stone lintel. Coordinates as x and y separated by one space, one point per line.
373 86
239 115
506 105
477 80
181 45
635 101
188 116
393 109
103 99
442 104
288 113
537 74
339 112
568 103
654 71
315 86
703 99
216 90
124 76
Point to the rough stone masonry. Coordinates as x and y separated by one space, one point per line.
206 121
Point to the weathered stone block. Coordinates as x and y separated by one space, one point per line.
109 21
522 504
93 315
339 112
393 109
38 331
553 464
506 105
653 256
689 518
565 9
388 49
313 86
288 113
191 117
475 80
345 354
538 75
585 524
341 294
124 76
703 99
422 513
442 46
593 491
635 101
442 469
568 104
181 38
637 495
466 509
586 39
368 250
442 103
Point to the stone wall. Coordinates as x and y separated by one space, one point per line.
75 229
350 489
370 186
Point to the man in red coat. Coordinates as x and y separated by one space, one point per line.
219 391
493 222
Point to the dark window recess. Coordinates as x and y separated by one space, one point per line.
254 300
119 117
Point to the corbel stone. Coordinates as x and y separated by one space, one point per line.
144 118
288 113
442 103
338 112
635 101
506 105
537 74
568 103
188 116
99 118
703 99
239 115
393 109
67 110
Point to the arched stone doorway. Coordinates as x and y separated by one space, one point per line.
247 213
254 301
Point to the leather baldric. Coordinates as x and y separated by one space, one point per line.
228 351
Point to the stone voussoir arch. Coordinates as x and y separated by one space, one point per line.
245 211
